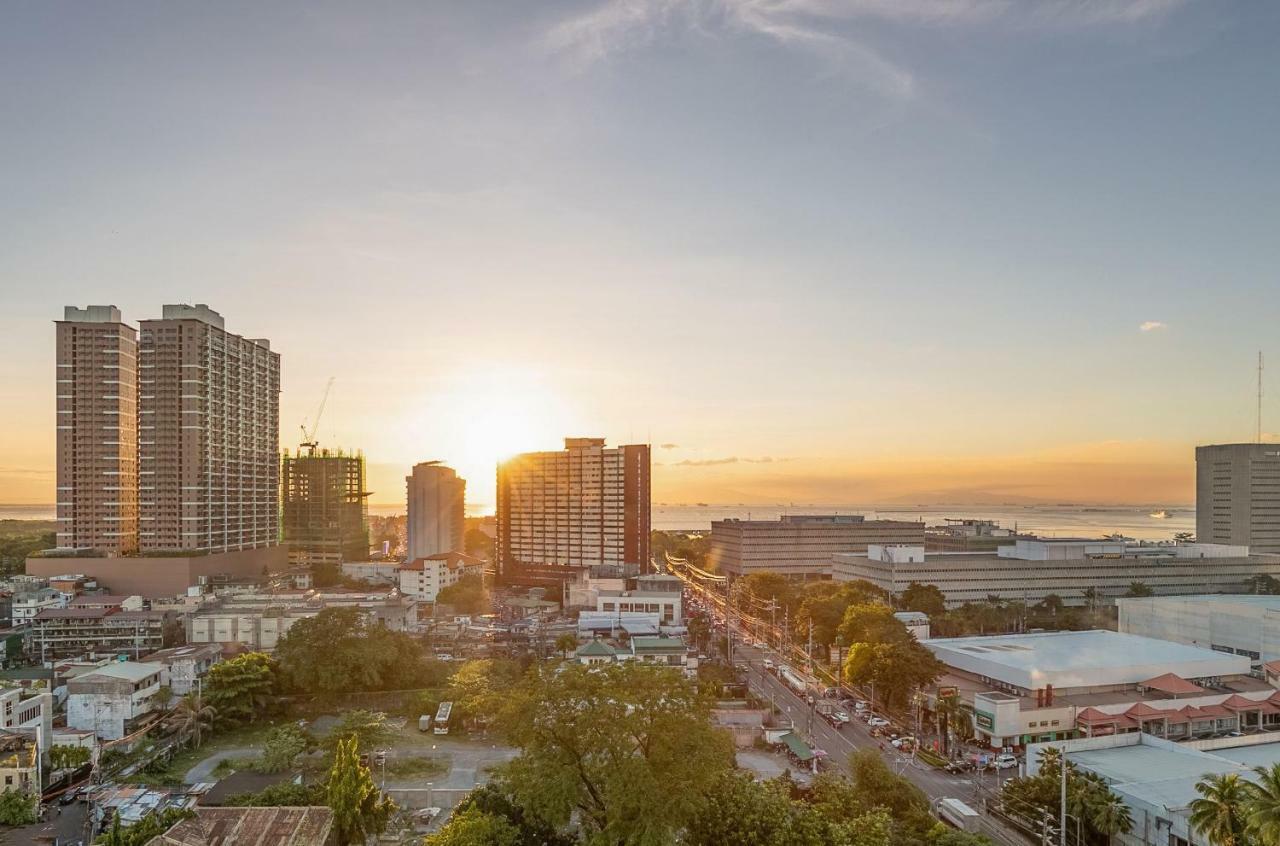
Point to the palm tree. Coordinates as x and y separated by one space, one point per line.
1219 813
191 716
1110 815
1263 809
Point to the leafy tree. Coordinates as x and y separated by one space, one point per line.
566 643
1264 584
493 799
1052 603
369 730
1263 809
1220 813
925 598
740 810
474 827
68 757
145 829
1139 589
359 812
477 543
17 807
824 604
944 835
896 669
281 748
872 623
283 795
627 750
193 717
241 689
877 786
467 595
479 688
699 626
768 586
163 697
338 651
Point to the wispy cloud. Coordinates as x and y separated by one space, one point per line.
1152 326
733 459
825 29
668 446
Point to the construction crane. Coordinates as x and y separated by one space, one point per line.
309 437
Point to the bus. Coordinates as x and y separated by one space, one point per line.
442 718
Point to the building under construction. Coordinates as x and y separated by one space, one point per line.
324 507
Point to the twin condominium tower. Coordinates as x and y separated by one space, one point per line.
168 435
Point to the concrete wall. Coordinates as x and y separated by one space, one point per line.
163 577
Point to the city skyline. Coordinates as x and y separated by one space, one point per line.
815 252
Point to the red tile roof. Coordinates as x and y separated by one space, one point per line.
1169 683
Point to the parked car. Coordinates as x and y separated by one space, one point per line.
1005 762
960 766
877 722
841 717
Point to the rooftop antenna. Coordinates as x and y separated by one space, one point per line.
1259 396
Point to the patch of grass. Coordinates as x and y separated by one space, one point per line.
418 766
227 766
249 736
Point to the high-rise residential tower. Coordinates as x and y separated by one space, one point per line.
1238 495
437 510
97 398
324 511
584 507
208 435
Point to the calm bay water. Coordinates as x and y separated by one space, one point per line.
1048 520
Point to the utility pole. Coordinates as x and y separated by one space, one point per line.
809 649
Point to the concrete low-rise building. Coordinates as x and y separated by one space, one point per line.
187 664
257 621
116 700
1029 688
800 545
64 632
666 605
1239 624
19 763
424 578
374 572
27 711
1077 572
664 651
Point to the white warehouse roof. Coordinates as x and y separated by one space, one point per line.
1081 659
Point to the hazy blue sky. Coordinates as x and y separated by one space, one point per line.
901 248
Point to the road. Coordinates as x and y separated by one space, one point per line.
840 743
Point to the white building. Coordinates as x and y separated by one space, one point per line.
27 605
112 701
666 605
1031 569
24 709
257 621
187 664
1157 779
1026 688
1240 624
374 572
424 578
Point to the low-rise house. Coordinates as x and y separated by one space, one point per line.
665 605
595 652
187 664
308 826
61 632
115 700
19 763
27 604
424 578
374 572
665 651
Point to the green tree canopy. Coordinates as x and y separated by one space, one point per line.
338 651
359 811
281 748
467 595
473 827
369 729
17 807
240 690
480 687
627 749
925 598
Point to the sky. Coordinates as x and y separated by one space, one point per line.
814 251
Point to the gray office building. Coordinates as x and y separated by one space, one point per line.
1238 495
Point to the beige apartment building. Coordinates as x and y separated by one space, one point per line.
1238 495
586 506
436 520
800 545
208 435
97 435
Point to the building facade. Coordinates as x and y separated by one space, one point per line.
257 621
1079 573
97 434
425 578
586 506
115 700
436 521
66 632
208 435
1237 624
800 546
324 510
1238 495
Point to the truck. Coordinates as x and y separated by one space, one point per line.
956 813
791 679
442 718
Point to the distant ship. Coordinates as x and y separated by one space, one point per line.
1160 515
702 505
